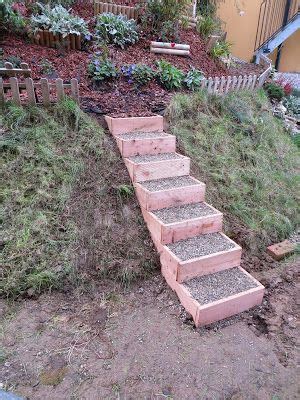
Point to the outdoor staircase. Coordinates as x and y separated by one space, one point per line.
199 262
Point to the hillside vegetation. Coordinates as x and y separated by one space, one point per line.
67 209
248 161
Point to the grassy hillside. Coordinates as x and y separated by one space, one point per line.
249 163
67 209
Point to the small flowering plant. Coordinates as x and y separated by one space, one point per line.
101 68
139 74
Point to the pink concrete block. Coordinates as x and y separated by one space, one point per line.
133 147
216 310
185 270
170 233
169 197
281 250
118 126
147 171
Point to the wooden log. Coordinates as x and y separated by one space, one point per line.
170 51
109 8
45 92
46 38
30 91
72 41
60 89
74 90
105 7
2 98
114 9
15 90
78 42
175 46
119 9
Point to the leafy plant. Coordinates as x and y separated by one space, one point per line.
116 29
102 68
292 103
193 78
59 21
169 76
220 49
163 17
274 91
12 16
206 26
46 66
140 74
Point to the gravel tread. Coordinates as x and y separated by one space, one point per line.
183 212
199 246
169 183
142 135
222 284
154 157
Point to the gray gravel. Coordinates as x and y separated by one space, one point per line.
169 183
143 135
157 157
181 213
208 288
199 246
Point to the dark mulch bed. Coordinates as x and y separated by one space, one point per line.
118 97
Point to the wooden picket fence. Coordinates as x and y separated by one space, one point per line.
49 39
42 92
229 83
9 70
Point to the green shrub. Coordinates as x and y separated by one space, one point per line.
206 26
59 21
162 17
11 16
116 29
193 78
292 103
274 91
140 74
220 49
169 76
101 68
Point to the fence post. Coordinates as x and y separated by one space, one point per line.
45 91
60 89
2 98
14 85
30 91
74 90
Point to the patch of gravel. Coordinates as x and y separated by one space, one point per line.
181 213
213 287
157 157
199 246
295 237
169 183
142 135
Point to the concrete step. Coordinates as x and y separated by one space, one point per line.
168 192
149 167
217 296
119 126
141 143
200 255
169 225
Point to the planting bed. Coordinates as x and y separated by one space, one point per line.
170 183
200 246
184 212
143 135
152 158
208 288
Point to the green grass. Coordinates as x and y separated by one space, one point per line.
42 155
250 164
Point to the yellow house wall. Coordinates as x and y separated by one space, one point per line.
240 18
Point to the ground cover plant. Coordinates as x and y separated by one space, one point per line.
102 68
247 160
12 16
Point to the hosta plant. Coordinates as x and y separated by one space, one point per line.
59 21
193 78
116 29
168 75
101 68
139 74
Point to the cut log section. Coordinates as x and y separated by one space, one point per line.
170 48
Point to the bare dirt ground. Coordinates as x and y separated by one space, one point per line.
138 344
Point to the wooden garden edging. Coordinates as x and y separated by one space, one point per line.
9 70
264 76
170 48
49 39
12 89
102 7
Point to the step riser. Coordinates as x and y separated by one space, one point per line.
170 197
118 126
158 170
218 310
170 233
136 147
184 270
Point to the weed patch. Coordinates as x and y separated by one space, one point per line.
246 158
